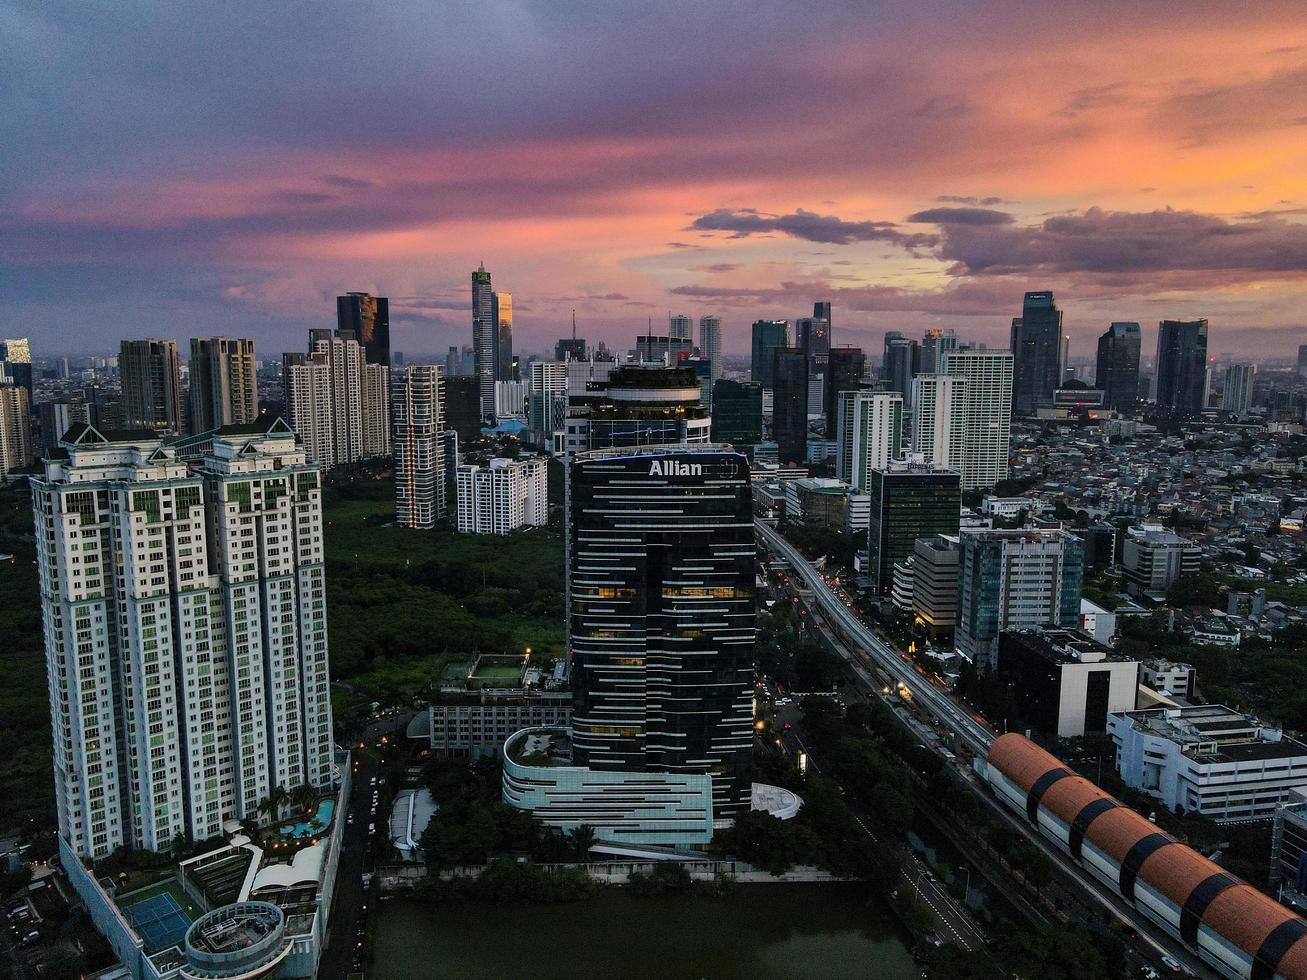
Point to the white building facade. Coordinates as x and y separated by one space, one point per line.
869 434
417 400
503 496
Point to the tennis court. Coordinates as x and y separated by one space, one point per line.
159 920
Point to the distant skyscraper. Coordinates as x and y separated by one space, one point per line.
790 405
984 411
908 501
1036 354
768 335
737 413
368 318
822 311
152 385
16 358
462 409
935 342
847 366
659 350
182 692
710 344
656 538
485 331
1117 372
572 348
224 389
504 337
417 399
1237 395
1182 367
898 365
869 434
680 327
15 428
453 363
1302 360
336 402
812 334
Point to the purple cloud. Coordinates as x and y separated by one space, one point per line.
809 226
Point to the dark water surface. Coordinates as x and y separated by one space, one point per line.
808 931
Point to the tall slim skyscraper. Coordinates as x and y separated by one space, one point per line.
898 365
1237 395
224 387
790 404
16 355
453 363
1182 367
1302 360
152 385
186 636
415 412
937 421
661 607
15 428
1117 371
1036 354
710 344
504 337
367 317
847 366
984 411
822 311
485 335
768 335
680 327
869 434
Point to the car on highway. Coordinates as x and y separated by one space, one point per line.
1172 964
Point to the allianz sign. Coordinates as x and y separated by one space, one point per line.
673 467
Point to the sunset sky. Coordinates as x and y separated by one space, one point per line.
178 170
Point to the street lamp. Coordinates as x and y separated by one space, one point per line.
966 893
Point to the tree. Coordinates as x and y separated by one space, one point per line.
582 839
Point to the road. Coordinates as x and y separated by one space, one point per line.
974 735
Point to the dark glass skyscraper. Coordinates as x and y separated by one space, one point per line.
737 412
790 405
898 365
847 365
821 310
368 318
1036 354
1182 367
462 408
504 338
661 607
768 335
484 337
1117 373
908 501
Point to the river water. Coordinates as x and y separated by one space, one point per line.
810 931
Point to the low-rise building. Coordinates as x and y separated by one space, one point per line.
478 723
1214 632
1063 682
1098 622
1153 558
1167 677
818 501
1010 507
1208 759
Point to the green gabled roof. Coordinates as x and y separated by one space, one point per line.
84 434
266 424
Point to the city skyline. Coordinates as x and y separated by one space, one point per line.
1160 191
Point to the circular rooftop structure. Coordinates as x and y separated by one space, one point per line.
779 802
243 941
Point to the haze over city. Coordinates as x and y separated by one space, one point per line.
917 168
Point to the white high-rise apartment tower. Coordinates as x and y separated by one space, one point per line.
417 401
336 402
680 327
868 434
1237 395
185 631
937 418
503 496
978 415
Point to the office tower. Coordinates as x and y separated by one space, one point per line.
937 421
790 405
935 584
869 434
510 399
978 416
898 365
1036 353
658 350
503 496
151 385
1117 371
933 344
453 363
680 327
637 406
16 361
768 335
661 607
462 409
485 334
397 358
702 368
570 348
847 366
56 418
821 310
15 428
224 390
467 362
419 439
368 319
185 632
1302 360
1022 579
1237 396
1182 367
812 334
908 501
547 398
710 345
504 337
737 413
1153 559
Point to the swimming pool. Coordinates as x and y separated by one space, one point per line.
315 825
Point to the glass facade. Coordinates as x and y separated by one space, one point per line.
768 335
737 412
790 405
907 504
661 606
